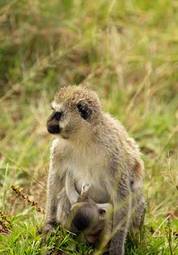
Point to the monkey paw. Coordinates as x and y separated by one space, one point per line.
85 188
47 228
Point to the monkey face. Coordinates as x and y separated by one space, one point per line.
53 122
76 111
67 120
87 217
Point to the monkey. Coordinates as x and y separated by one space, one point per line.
86 217
92 221
94 148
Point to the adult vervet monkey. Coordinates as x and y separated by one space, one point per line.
94 148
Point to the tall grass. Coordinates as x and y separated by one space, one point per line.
127 51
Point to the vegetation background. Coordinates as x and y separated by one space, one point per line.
128 52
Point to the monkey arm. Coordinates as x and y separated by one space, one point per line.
56 184
121 218
71 191
53 191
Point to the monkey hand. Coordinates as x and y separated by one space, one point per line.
85 188
47 228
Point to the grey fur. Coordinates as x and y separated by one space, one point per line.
97 151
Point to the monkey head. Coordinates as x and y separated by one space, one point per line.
75 110
88 218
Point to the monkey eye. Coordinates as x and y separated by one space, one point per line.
57 115
84 110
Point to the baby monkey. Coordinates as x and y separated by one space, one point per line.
92 220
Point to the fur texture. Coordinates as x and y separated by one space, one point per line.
97 151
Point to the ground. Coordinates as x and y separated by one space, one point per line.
128 52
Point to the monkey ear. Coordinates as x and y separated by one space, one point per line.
84 110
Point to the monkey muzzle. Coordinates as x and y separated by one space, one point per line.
53 123
79 223
53 129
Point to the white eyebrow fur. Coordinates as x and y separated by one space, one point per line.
56 106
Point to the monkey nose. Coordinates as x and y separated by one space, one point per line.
53 129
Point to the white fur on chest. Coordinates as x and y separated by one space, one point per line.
88 167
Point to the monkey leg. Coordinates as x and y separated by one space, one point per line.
137 219
118 241
138 212
121 220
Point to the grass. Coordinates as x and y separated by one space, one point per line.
127 51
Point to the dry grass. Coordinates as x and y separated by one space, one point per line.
127 52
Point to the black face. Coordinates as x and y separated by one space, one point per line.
81 220
53 123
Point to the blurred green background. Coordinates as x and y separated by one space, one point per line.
125 50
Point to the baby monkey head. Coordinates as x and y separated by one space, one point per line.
75 110
88 218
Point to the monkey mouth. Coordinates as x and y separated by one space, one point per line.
65 136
